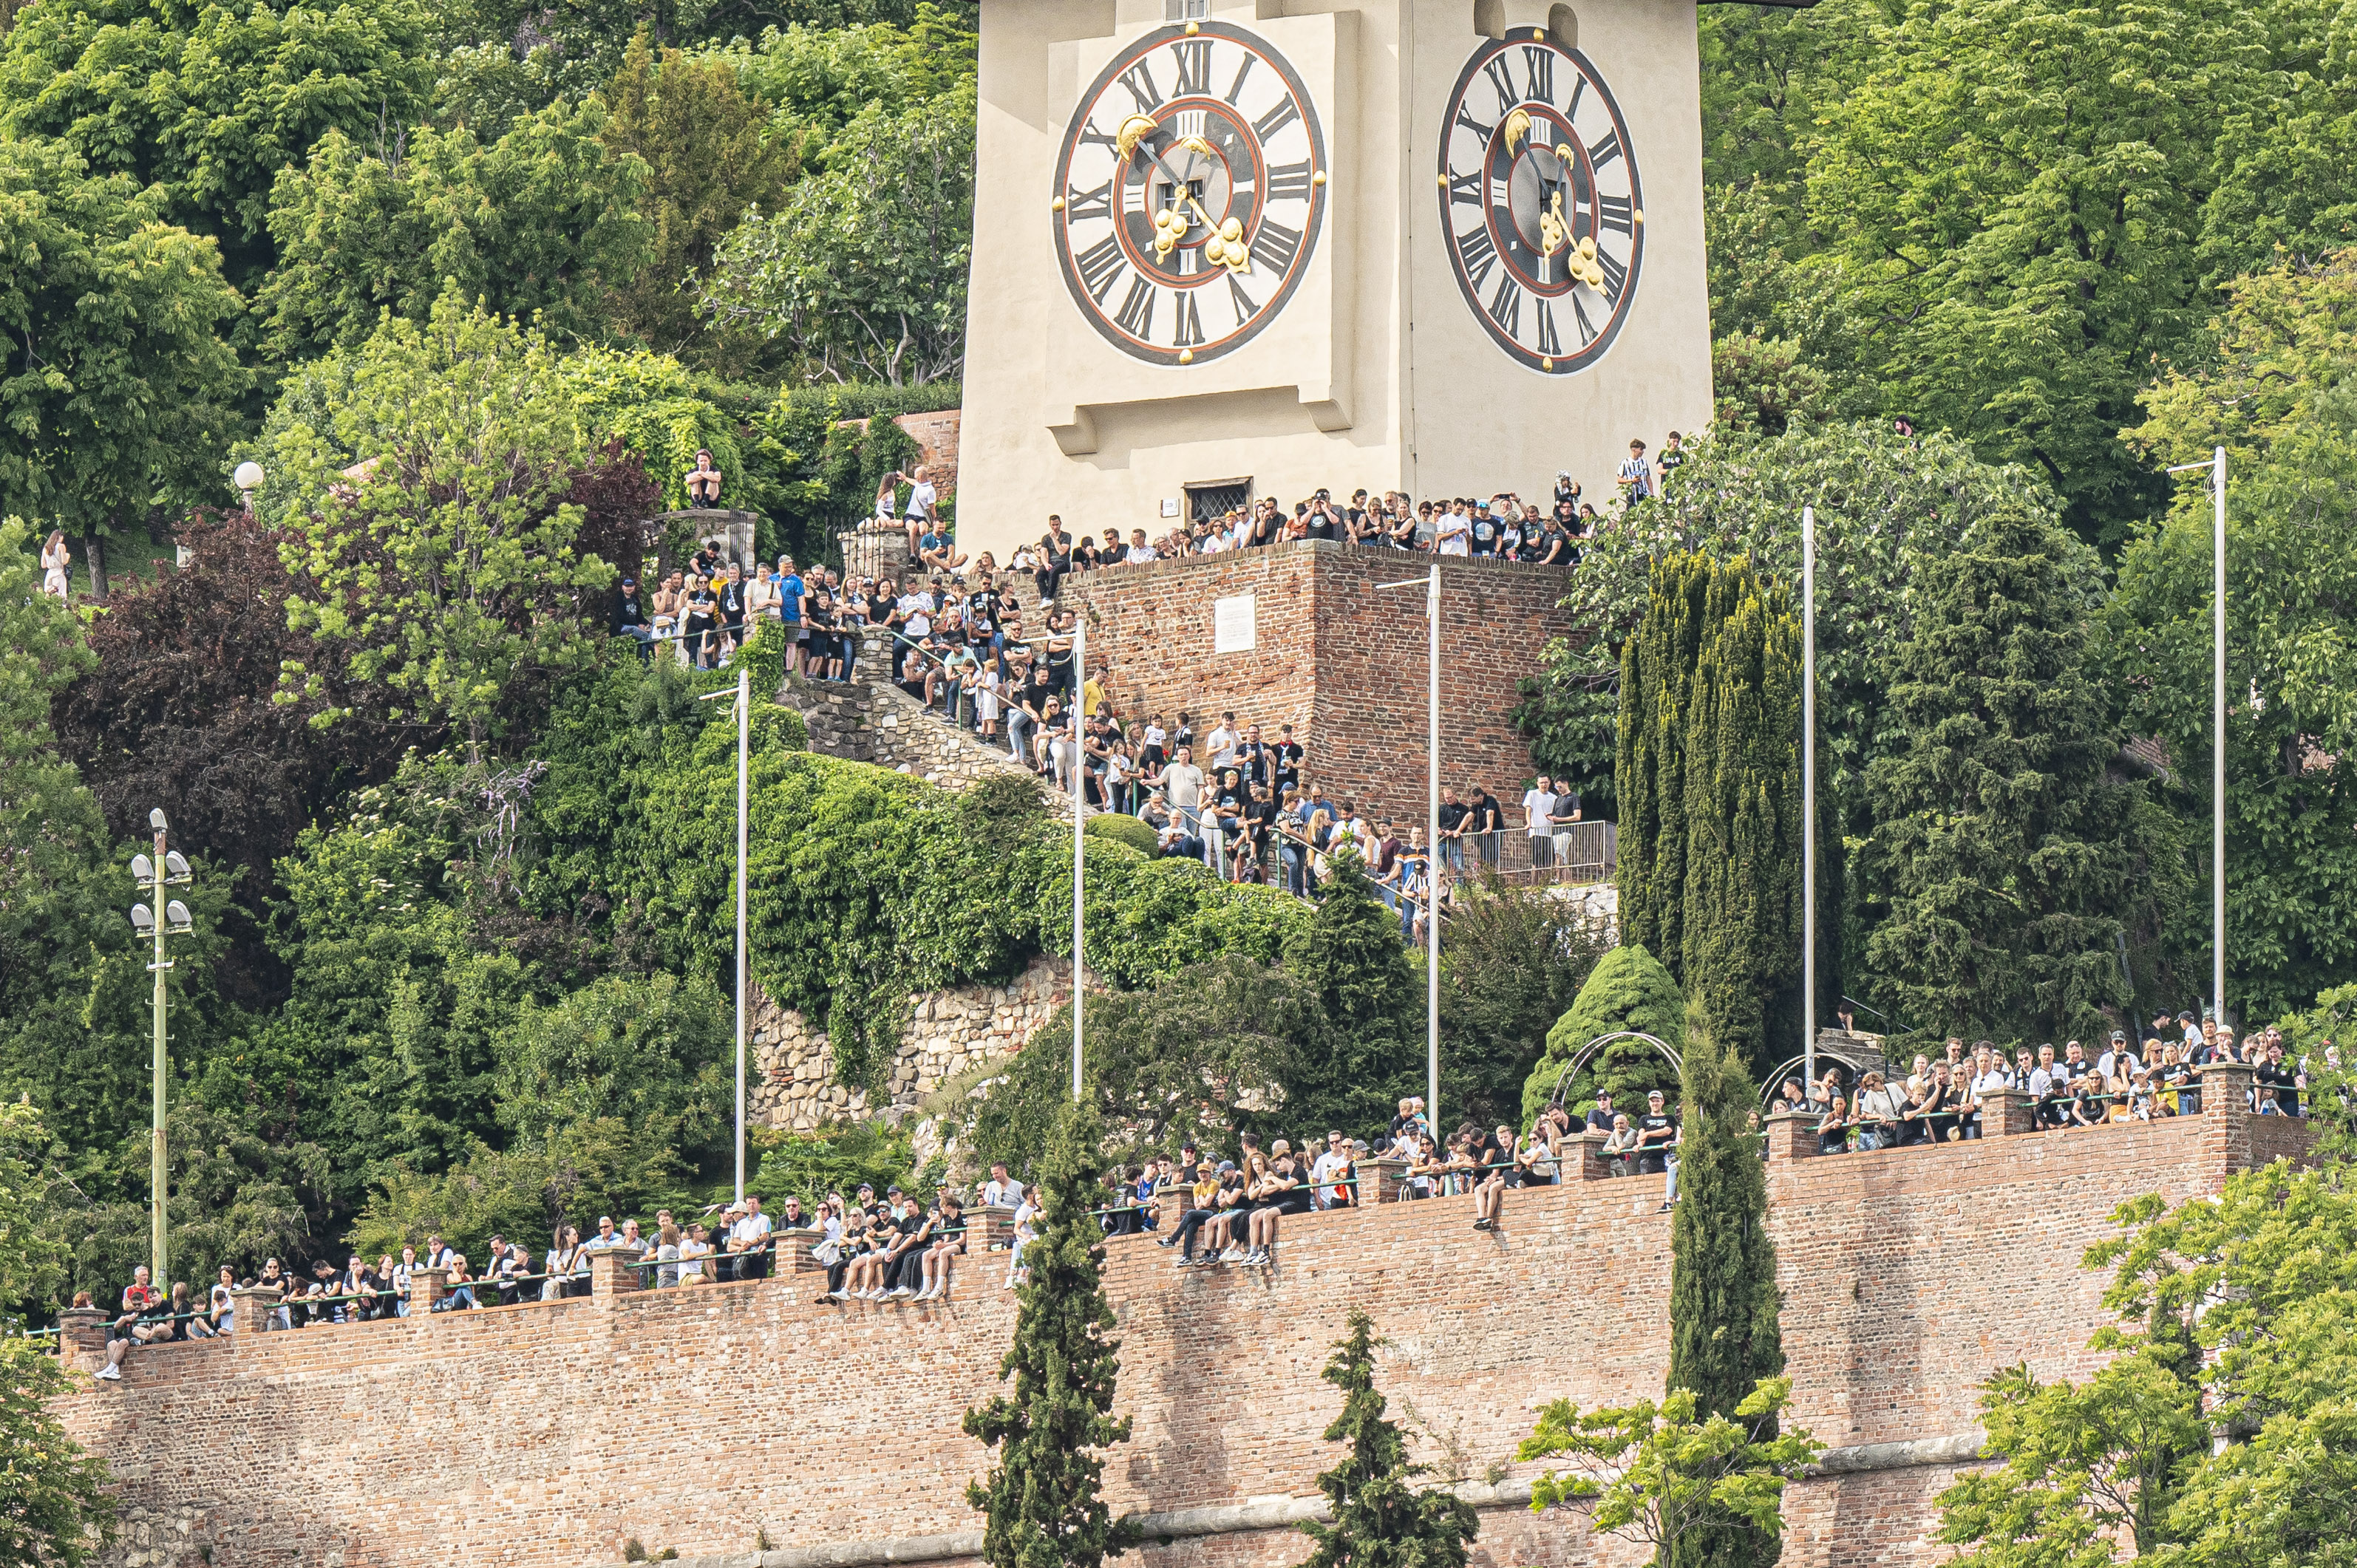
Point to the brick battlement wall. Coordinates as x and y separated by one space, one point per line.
1340 661
706 1418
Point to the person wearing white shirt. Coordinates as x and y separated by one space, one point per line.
750 1237
1027 1222
1222 742
1334 1160
1001 1191
1538 816
1455 532
1182 786
2120 1061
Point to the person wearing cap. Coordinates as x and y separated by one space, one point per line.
630 619
2118 1062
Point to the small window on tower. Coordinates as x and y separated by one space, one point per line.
1186 10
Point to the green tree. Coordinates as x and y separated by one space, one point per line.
1381 1521
863 271
55 1508
2276 397
709 158
1043 1503
1510 963
209 102
2085 1466
2004 841
1725 1313
1368 1051
1188 1060
113 319
1627 990
1726 1334
2016 191
1708 781
539 222
1690 1485
448 567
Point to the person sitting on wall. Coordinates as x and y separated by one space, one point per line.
704 481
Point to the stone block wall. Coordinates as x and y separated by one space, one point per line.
946 1033
547 1436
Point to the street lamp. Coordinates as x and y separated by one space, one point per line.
743 692
1431 584
2217 466
168 869
248 479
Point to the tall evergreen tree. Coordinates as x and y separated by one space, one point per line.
1709 784
1725 1330
2004 839
1380 1521
1368 1051
1043 1502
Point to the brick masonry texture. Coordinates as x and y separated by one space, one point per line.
550 1435
1337 658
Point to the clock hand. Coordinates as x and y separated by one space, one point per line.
1224 249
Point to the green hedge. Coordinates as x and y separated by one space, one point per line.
866 886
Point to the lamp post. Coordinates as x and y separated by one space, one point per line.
2217 466
248 479
743 692
168 869
1809 794
1079 691
1430 582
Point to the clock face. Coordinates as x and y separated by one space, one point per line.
1189 193
1540 203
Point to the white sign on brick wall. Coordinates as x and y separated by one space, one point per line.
1234 629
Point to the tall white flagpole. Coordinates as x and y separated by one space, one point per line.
2218 740
1809 794
1072 755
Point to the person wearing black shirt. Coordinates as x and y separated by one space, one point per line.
1055 560
1453 812
630 619
701 604
1486 825
1656 1131
1286 754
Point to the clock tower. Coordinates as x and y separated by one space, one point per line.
1229 249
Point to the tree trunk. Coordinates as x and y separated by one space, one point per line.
94 551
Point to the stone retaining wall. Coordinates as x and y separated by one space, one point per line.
947 1033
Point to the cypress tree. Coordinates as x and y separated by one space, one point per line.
2002 839
1380 1521
1725 1332
1709 783
1043 1501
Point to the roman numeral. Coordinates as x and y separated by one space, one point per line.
1579 92
1605 151
1244 307
1286 113
1136 316
1194 58
1091 136
1538 68
1579 314
1501 195
1083 204
1465 118
1190 260
1550 345
1139 79
1476 253
1237 86
1275 245
1465 187
1191 326
1615 275
1506 306
1502 77
1616 213
1101 264
1288 182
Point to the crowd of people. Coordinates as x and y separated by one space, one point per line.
2143 1080
1219 1210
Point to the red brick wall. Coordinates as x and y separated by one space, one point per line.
549 1435
1341 662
